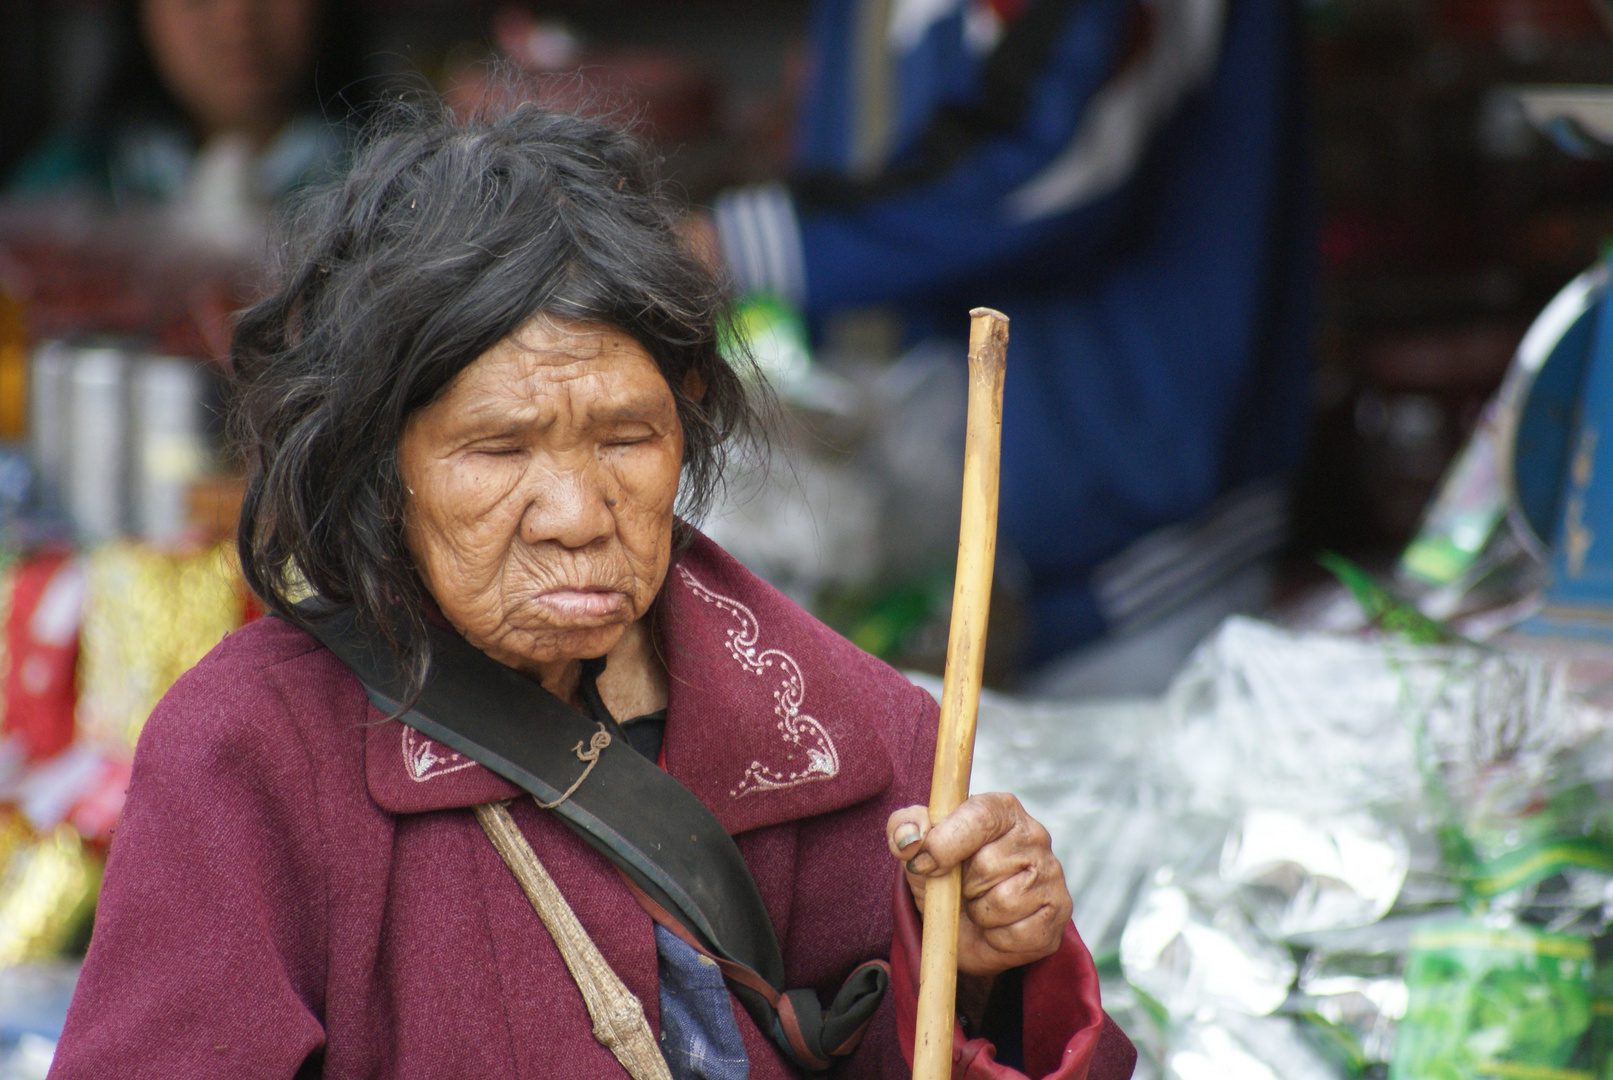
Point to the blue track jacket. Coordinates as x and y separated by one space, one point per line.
1124 179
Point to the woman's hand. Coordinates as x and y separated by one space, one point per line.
1015 903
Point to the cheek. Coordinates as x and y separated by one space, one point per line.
649 490
461 521
652 480
473 489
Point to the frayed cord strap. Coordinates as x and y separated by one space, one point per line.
600 740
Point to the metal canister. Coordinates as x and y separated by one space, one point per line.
96 477
48 418
168 398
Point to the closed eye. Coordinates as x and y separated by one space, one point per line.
630 437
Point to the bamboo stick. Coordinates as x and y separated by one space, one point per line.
960 693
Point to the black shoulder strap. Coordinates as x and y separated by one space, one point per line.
679 860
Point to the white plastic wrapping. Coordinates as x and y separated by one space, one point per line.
1189 958
1272 717
1282 802
1230 1046
1299 873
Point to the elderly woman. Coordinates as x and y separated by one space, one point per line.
481 408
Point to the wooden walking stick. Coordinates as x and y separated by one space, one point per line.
960 691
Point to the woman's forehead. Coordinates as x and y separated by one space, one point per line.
548 340
547 360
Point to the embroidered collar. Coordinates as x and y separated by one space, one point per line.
764 721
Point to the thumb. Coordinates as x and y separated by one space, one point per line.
905 829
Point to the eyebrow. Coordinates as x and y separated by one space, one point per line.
642 408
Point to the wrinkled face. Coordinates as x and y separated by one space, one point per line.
233 64
543 481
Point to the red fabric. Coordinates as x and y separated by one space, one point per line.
1007 10
40 693
1066 1034
296 876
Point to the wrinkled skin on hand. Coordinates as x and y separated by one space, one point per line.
1015 902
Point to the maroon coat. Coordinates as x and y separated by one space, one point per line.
297 879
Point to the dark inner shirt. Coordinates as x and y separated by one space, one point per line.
643 733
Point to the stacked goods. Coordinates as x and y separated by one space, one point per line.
148 618
118 436
115 568
1321 856
90 643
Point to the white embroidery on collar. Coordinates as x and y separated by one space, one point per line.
809 751
426 759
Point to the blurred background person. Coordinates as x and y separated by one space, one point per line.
217 106
1126 179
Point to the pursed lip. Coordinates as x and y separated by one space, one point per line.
582 605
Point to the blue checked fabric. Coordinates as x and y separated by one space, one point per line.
699 1037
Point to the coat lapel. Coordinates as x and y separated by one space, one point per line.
762 724
409 773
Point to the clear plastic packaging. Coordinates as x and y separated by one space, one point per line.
1257 848
1189 957
1258 708
1297 874
1351 990
1231 1046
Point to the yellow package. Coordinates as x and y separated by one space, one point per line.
149 616
47 896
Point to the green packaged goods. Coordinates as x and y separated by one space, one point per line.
770 331
1483 1002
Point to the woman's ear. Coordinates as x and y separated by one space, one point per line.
694 387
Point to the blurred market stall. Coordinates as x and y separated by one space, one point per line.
1369 836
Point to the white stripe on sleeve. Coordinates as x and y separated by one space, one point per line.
761 240
1172 565
1113 133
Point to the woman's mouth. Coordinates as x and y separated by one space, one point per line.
581 604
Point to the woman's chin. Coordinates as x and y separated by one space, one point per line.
552 644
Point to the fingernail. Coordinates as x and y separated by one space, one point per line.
907 834
922 864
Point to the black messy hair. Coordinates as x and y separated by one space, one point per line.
447 235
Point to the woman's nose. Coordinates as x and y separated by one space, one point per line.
572 508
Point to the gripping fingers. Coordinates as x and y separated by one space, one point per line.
1033 880
1006 902
1007 857
1031 938
978 821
